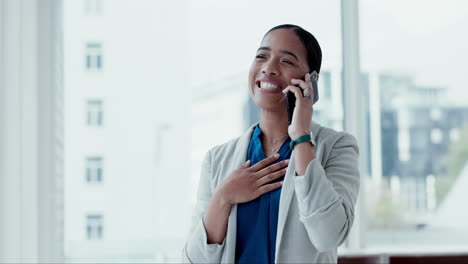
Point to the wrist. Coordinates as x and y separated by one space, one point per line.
296 135
222 197
307 137
306 145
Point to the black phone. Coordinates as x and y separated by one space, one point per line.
291 98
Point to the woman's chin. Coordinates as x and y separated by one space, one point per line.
270 105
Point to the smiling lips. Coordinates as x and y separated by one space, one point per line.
268 87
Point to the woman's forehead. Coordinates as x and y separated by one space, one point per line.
284 39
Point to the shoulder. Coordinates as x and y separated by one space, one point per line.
222 159
226 148
234 147
330 138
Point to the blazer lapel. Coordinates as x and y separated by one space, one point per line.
287 193
239 158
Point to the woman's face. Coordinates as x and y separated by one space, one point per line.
280 58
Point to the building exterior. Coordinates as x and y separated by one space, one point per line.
418 126
126 171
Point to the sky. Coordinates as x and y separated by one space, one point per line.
426 39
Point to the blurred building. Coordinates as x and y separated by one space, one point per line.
126 145
418 126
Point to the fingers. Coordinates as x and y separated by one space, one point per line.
298 85
304 85
295 90
269 187
307 78
271 177
272 168
262 164
245 165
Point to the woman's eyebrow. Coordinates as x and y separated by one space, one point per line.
289 53
264 48
282 51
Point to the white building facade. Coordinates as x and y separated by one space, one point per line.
126 140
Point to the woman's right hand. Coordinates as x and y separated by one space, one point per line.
249 182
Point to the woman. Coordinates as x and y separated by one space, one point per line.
262 199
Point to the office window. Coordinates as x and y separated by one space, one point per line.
419 166
94 226
93 7
436 136
94 169
325 85
93 56
94 113
454 134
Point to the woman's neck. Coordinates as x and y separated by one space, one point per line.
273 124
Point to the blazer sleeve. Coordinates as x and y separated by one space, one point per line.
327 194
197 249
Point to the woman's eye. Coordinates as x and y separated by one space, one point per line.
260 56
288 62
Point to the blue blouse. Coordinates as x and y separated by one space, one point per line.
257 220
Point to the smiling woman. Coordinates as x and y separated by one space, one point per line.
280 192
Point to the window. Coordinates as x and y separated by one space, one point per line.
93 56
409 179
94 227
93 7
417 187
94 169
94 116
325 85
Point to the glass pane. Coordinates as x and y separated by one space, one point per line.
414 53
174 86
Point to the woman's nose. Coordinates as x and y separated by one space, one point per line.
270 68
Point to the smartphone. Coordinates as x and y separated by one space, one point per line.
291 98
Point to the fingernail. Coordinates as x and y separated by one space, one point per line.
276 155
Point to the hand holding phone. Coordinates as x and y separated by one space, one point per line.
291 98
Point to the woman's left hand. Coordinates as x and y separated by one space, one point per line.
302 115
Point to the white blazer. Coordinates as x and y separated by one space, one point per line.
316 210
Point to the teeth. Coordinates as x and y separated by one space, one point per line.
266 85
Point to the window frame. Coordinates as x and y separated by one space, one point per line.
94 221
94 169
93 56
94 113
